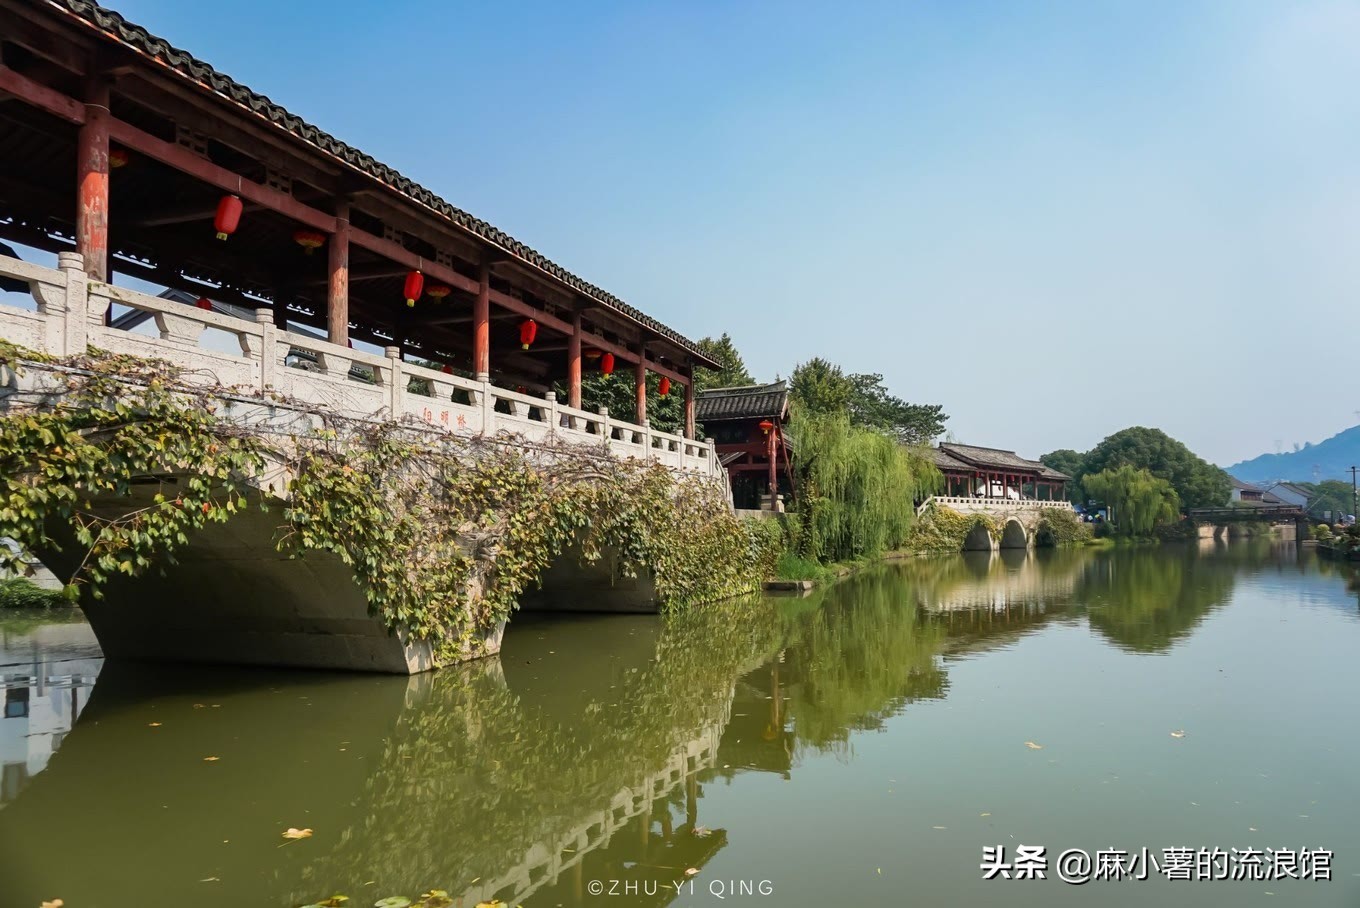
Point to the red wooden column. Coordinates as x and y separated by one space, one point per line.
481 326
574 363
689 401
92 182
640 383
337 288
771 449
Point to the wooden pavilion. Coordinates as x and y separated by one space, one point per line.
154 165
747 427
975 472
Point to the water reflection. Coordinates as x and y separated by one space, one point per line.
585 752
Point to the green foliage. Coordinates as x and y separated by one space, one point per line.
872 405
1330 495
1197 483
443 533
618 393
792 566
1059 527
1322 532
819 387
16 592
1140 502
858 487
943 530
733 373
120 421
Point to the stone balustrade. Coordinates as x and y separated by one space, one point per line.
70 316
973 504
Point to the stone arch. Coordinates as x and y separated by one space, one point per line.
1014 536
978 539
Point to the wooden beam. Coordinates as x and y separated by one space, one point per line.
40 96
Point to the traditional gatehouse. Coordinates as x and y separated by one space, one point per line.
747 426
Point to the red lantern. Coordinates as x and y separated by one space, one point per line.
592 353
438 291
447 370
204 303
607 364
228 216
528 330
415 282
118 157
309 240
665 386
766 426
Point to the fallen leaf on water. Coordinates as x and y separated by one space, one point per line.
939 827
393 901
334 901
294 833
879 870
494 903
1179 733
435 898
154 724
200 706
211 879
702 831
211 759
1032 746
55 903
984 814
691 871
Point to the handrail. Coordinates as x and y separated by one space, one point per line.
71 313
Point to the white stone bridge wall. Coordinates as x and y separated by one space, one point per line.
1019 517
70 316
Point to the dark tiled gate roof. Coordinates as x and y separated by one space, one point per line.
747 402
137 38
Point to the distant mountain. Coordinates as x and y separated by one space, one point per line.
1330 459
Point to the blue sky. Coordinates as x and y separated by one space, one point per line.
1056 219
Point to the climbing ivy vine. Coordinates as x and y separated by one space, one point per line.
443 533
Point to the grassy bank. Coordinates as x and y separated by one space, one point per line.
19 593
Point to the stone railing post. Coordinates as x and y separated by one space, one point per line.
645 436
75 308
488 403
550 411
396 377
604 423
269 347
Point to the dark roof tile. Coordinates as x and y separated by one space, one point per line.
748 402
114 26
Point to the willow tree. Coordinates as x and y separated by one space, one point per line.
858 487
1140 502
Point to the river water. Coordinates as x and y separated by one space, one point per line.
862 745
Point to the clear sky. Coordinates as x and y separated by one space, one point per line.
1057 219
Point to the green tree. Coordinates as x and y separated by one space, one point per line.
1140 502
733 372
818 386
1329 495
871 404
619 394
1073 463
858 487
1198 483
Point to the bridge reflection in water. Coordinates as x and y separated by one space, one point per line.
583 753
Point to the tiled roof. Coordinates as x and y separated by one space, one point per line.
1047 472
114 26
946 462
990 457
747 402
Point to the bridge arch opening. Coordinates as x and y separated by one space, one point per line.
1013 535
978 539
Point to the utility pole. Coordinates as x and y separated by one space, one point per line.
1355 494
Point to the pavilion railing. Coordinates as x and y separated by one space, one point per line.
70 316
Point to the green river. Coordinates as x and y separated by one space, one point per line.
1177 715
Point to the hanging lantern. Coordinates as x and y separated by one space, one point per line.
204 303
665 386
438 292
766 426
592 353
607 364
309 240
447 370
521 389
228 216
528 330
415 282
118 157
